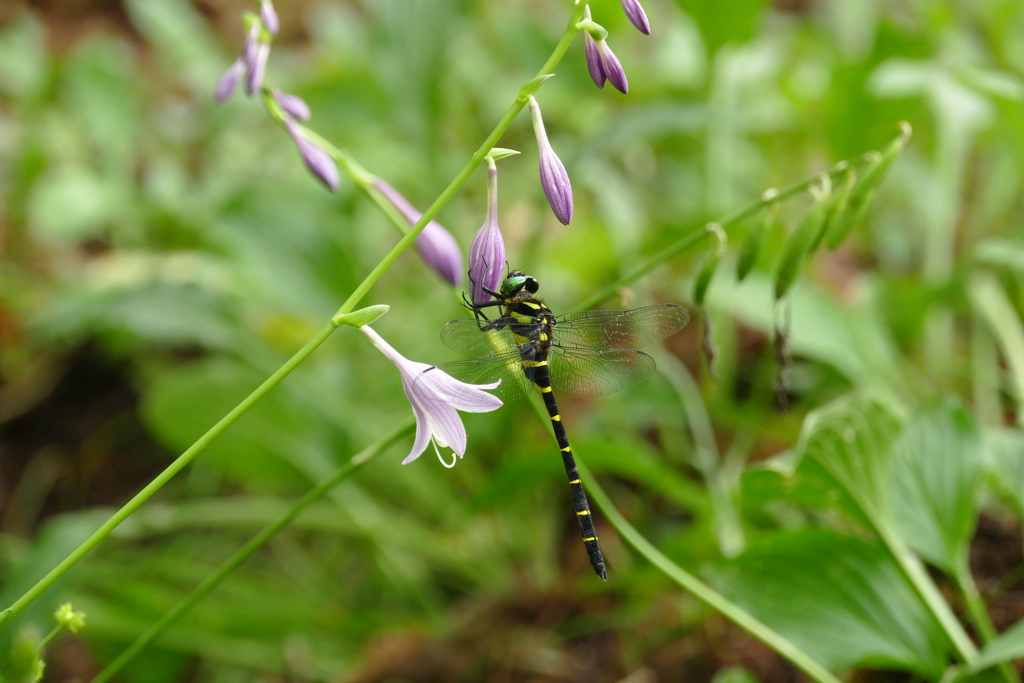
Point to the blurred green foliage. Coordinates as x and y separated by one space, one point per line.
182 245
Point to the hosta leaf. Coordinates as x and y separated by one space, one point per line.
1007 647
840 598
1008 465
936 475
852 440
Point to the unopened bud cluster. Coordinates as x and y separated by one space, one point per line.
437 247
287 108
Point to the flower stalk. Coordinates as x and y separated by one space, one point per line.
347 307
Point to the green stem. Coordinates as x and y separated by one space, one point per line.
978 612
915 573
463 175
49 637
165 476
699 234
246 551
349 305
701 590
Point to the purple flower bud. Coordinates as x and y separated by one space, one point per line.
553 177
487 253
636 16
226 84
441 252
612 68
603 64
269 17
293 104
593 55
316 158
257 69
249 47
437 246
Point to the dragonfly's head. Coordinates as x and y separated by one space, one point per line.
517 281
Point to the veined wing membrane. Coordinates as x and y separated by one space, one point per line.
597 372
476 338
506 366
632 329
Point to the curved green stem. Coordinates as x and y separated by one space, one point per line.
926 589
978 612
246 551
698 234
165 476
347 307
478 156
701 590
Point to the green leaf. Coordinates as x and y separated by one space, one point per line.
364 316
23 54
71 204
183 41
703 280
840 598
277 438
531 87
801 242
1007 647
936 477
1007 447
1001 252
851 439
753 242
836 217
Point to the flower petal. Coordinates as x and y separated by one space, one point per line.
594 63
293 104
613 68
226 84
422 431
446 425
637 16
487 252
469 398
269 17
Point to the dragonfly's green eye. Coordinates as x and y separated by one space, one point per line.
512 284
516 281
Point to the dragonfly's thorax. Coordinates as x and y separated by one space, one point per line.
536 318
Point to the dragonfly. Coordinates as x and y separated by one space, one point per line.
589 353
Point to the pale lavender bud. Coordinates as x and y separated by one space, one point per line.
437 246
636 16
487 253
249 47
593 55
612 68
293 104
257 69
316 158
226 84
553 177
269 17
440 251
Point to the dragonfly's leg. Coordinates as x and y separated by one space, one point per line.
498 324
477 313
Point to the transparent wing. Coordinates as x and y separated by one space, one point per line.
506 366
476 338
632 329
597 372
